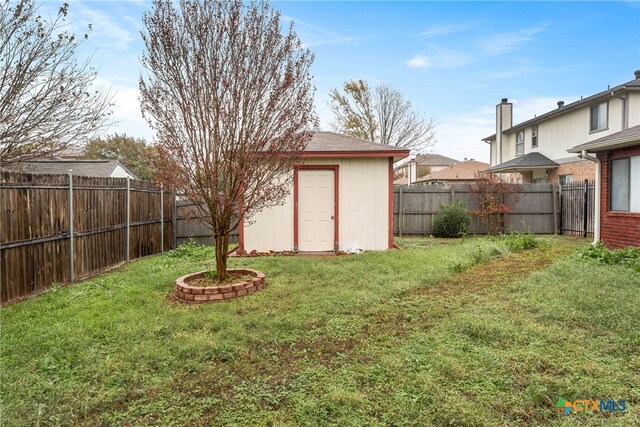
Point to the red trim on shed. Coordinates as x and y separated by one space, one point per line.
350 154
336 201
390 202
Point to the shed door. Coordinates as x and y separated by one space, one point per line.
316 210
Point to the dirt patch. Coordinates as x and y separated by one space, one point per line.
208 281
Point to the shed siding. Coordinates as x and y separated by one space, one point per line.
271 229
363 209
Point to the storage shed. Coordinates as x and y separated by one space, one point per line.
342 196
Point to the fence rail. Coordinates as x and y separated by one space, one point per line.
190 227
536 209
57 228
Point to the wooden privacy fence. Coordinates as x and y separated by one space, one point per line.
58 228
192 228
415 206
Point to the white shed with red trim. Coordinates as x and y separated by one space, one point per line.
342 196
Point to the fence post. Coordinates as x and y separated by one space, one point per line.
128 215
453 194
561 222
161 217
586 207
554 195
400 213
71 243
174 214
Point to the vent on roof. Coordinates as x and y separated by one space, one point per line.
560 104
504 100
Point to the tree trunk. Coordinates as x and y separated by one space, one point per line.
221 241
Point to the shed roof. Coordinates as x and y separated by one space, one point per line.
529 161
98 168
463 171
331 144
624 138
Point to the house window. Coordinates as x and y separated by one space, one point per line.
598 117
534 136
625 185
520 143
565 179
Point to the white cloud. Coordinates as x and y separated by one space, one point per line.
443 30
314 35
439 57
418 61
501 43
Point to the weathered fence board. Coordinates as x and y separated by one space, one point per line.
190 227
35 228
533 211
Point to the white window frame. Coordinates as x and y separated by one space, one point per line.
632 185
534 137
602 121
567 178
520 142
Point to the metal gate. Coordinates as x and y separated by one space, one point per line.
577 202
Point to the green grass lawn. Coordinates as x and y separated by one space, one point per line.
442 332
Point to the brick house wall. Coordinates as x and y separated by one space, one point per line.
581 170
617 229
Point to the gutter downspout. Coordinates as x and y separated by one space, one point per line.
596 214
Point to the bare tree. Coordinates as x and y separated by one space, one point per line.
46 95
385 116
231 100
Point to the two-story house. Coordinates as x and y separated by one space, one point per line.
536 150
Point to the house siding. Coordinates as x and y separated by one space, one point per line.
363 209
617 229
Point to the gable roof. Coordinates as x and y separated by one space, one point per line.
98 168
434 160
331 144
463 171
625 138
532 160
633 85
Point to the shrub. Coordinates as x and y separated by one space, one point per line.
629 257
520 241
451 220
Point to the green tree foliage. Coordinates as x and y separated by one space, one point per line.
383 115
134 153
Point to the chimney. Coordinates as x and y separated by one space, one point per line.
560 104
504 120
637 74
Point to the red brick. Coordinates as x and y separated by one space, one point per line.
228 295
617 229
241 292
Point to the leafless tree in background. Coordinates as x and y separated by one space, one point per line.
46 95
384 116
231 100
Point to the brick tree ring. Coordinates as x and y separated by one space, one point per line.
196 294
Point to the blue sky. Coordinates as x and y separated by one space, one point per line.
453 60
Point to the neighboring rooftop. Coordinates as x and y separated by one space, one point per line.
624 138
462 171
532 160
434 160
630 85
97 168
